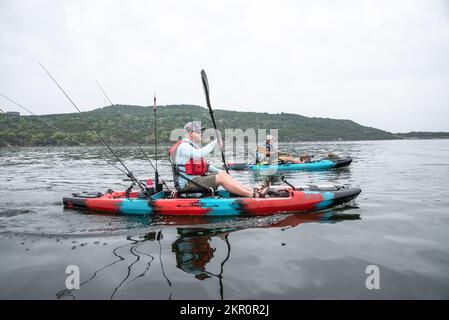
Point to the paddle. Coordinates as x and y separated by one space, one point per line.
206 93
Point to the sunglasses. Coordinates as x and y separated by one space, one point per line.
200 133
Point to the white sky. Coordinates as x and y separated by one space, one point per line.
380 63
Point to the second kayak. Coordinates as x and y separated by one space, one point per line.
323 164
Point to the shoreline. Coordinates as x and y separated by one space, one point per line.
168 142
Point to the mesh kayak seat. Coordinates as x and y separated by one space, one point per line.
201 192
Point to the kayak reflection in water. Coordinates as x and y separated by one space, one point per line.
194 249
269 154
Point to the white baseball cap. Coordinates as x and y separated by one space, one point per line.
193 127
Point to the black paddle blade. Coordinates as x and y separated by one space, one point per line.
205 83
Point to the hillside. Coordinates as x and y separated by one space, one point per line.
122 125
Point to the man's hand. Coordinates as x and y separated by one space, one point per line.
220 143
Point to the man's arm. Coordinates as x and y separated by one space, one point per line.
190 152
279 152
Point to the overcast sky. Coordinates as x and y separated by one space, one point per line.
383 64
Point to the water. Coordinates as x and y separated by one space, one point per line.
399 223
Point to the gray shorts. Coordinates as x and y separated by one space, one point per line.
208 181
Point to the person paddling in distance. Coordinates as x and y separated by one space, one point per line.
268 152
193 173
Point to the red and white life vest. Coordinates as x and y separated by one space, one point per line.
192 167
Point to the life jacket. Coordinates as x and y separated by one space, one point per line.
263 152
268 150
192 167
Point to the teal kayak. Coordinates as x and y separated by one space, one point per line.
323 164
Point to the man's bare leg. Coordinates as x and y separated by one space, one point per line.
230 184
293 160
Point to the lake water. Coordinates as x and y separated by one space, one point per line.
400 223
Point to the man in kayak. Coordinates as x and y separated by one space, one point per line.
268 152
193 173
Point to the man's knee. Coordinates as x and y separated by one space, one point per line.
219 177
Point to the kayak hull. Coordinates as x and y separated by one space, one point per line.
311 199
324 164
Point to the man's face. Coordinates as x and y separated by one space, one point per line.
269 141
195 137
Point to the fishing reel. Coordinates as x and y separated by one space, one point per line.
128 190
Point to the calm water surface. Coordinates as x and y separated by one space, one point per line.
399 223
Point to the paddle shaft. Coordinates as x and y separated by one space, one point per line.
206 93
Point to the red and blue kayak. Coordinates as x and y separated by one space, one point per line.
280 200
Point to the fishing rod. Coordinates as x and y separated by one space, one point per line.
101 88
140 147
158 185
129 173
59 130
206 92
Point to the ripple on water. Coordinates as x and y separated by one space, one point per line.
7 212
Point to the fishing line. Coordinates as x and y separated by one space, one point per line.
129 173
140 147
59 130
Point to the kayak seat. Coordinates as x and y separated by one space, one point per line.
201 192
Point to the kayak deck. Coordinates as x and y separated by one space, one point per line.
285 200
